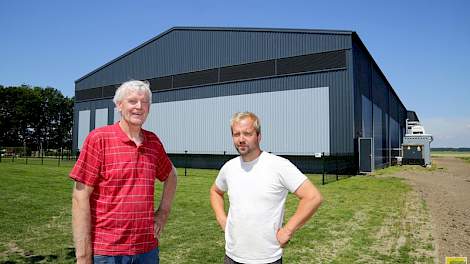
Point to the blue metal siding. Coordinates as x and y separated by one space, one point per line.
84 117
92 106
342 118
361 101
101 117
379 111
340 94
340 100
285 116
182 50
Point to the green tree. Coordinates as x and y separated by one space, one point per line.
14 117
35 116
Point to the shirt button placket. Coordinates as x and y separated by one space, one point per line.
136 160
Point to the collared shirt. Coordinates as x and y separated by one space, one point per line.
123 176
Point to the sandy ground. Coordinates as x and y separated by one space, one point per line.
446 191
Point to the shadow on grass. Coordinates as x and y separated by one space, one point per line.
32 258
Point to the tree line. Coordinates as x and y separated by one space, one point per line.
35 117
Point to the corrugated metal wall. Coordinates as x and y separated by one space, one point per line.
361 101
184 50
94 119
339 128
101 117
341 102
378 110
294 122
84 126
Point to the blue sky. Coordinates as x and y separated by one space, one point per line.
423 47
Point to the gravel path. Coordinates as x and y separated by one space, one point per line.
446 191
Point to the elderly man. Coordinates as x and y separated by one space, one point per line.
257 184
113 216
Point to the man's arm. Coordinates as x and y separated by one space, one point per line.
161 215
217 203
81 224
310 199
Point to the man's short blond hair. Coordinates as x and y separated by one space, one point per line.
237 117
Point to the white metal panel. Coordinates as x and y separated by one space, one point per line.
292 122
83 126
117 115
101 117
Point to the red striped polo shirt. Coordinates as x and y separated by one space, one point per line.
123 176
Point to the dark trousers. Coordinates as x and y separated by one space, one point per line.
228 260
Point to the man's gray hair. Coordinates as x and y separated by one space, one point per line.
132 86
237 117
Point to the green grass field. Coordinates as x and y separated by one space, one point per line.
464 155
348 228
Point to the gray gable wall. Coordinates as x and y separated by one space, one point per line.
181 50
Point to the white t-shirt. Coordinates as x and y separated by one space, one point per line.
257 191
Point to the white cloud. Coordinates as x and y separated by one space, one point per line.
448 132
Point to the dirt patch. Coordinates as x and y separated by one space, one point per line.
12 247
446 191
406 235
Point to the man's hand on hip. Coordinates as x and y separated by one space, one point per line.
283 236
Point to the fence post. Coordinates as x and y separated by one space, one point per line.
58 157
323 169
336 165
185 162
26 159
42 157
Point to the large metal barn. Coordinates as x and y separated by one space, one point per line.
317 92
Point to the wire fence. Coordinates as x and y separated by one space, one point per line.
22 155
338 166
331 167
